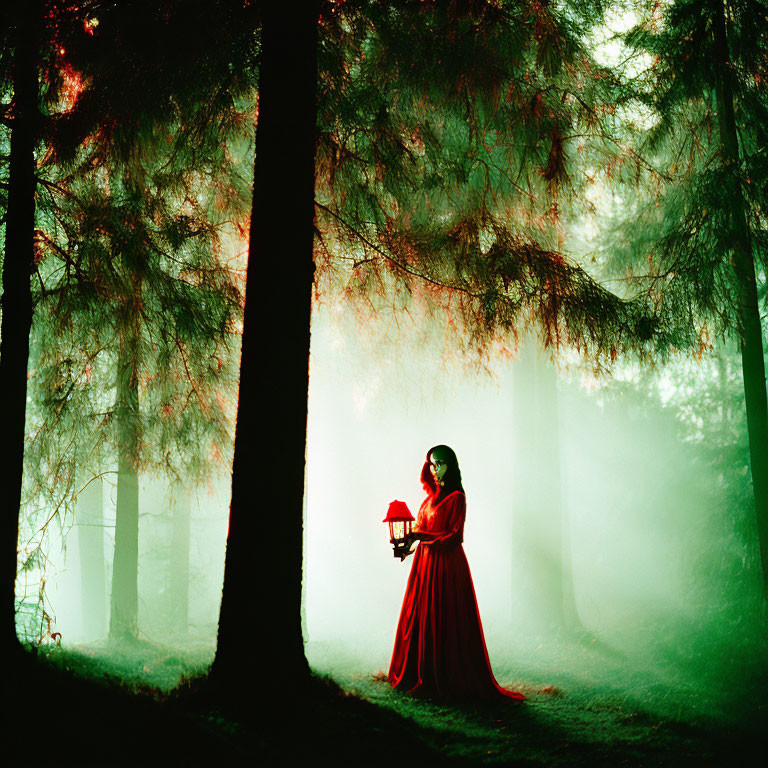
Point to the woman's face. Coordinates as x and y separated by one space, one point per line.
438 467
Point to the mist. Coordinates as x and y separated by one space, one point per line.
531 232
604 540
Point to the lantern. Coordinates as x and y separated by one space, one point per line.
400 522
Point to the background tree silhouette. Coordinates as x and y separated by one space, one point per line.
697 228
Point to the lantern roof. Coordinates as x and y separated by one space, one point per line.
398 512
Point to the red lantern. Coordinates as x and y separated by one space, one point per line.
400 522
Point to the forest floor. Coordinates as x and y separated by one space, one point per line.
589 705
82 704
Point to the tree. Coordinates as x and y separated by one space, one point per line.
171 307
704 235
441 178
267 516
541 541
416 206
89 520
179 560
448 172
22 27
140 217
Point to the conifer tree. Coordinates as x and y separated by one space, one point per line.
28 49
89 519
154 305
179 559
455 147
445 157
263 569
425 174
135 228
702 233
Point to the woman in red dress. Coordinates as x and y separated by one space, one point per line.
439 647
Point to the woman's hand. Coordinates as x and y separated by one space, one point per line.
407 545
402 547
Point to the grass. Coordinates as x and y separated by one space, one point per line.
586 706
590 704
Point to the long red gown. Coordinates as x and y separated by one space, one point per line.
439 647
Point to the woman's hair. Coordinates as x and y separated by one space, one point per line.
452 478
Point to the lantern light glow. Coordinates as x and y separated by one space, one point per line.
400 522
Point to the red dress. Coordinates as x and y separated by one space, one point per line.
439 647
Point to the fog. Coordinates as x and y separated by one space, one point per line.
79 607
595 513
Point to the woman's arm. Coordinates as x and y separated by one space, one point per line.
454 533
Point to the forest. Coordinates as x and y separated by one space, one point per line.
258 257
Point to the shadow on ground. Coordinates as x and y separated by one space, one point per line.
85 708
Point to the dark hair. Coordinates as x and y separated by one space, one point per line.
452 479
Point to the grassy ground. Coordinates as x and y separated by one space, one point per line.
72 707
588 705
83 704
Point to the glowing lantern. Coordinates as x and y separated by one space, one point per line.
400 522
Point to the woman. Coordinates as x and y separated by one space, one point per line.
439 647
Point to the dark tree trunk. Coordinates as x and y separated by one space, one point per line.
124 604
742 260
263 570
90 538
180 561
17 299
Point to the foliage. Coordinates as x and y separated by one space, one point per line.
457 143
451 143
675 239
140 214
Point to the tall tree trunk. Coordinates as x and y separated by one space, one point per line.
17 299
263 569
742 260
541 542
180 560
90 536
124 604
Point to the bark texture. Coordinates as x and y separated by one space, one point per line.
742 261
17 299
263 569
